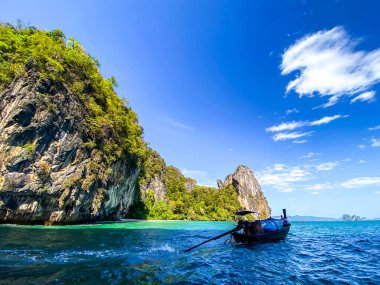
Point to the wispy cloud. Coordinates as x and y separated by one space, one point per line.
374 128
361 182
368 96
282 177
309 155
288 178
319 187
326 166
290 136
326 120
289 126
284 128
291 111
177 124
375 142
330 66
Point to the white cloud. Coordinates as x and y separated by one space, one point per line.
326 120
291 111
374 128
230 149
362 161
310 155
305 176
282 177
361 182
331 102
329 65
375 142
368 96
290 136
288 126
279 167
326 166
319 187
361 146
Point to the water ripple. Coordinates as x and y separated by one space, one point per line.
313 253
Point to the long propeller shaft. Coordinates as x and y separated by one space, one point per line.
211 239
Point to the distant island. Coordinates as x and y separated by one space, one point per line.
310 218
347 217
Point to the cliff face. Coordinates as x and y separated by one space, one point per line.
49 172
152 177
249 191
71 150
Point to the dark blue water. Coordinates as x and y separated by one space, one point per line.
151 252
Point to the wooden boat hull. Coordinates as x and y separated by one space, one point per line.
261 238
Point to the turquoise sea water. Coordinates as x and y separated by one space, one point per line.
151 253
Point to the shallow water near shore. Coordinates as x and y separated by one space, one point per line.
152 252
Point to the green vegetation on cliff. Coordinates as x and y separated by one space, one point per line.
201 202
185 199
113 125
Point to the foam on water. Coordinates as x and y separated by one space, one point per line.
163 248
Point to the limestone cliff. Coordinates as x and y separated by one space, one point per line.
70 149
249 191
49 172
152 177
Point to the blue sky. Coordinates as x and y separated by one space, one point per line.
288 88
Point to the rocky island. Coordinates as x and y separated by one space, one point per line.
72 151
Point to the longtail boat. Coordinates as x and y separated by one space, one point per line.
258 231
